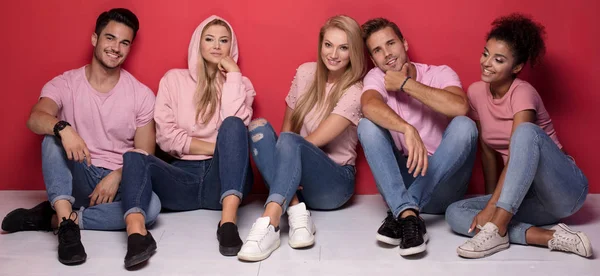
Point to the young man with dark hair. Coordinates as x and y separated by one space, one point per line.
90 117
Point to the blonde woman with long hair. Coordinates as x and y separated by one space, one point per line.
201 117
315 154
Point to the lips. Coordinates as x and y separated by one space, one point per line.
487 72
391 62
333 62
113 55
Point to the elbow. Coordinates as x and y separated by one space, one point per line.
461 109
367 110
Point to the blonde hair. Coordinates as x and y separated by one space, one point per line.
355 71
209 85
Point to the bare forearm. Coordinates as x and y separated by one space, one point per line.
440 100
199 147
382 115
41 123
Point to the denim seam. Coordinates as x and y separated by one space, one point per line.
531 174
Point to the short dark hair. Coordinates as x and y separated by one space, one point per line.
120 15
377 24
524 36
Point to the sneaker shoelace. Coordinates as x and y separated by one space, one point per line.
482 237
564 242
299 219
391 222
69 233
257 234
410 230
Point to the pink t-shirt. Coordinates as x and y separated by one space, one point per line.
429 123
105 121
496 115
342 149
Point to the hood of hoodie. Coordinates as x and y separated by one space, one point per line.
194 49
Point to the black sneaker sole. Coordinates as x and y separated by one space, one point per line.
21 225
77 259
140 258
229 251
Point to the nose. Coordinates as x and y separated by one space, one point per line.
487 61
334 54
217 45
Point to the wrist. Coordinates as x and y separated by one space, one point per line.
60 126
405 83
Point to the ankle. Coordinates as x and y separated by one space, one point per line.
136 224
407 213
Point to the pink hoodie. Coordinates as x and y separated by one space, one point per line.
175 110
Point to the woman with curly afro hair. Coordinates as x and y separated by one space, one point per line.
540 184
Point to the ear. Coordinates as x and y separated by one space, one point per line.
94 39
405 42
518 68
372 60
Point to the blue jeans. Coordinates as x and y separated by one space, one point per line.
447 176
187 185
74 181
542 186
291 161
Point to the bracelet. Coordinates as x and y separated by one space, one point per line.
402 86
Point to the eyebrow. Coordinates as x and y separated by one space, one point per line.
345 44
113 36
500 55
225 36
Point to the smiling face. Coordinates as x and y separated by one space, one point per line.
113 44
497 62
388 51
335 50
215 44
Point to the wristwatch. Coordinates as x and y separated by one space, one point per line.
60 126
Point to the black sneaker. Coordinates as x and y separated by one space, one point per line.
389 231
70 249
139 249
413 236
229 239
37 218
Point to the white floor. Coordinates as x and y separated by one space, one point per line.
345 245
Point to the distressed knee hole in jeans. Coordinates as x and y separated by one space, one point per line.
257 123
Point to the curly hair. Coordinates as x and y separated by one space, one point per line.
524 36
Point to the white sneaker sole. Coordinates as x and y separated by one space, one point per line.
388 240
587 245
255 257
480 254
416 249
303 244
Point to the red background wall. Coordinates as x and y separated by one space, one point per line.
41 39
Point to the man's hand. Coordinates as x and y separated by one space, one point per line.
106 190
394 79
417 152
74 146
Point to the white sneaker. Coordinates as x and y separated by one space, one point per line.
302 228
262 240
485 243
568 240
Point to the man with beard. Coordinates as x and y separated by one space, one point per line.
416 139
90 116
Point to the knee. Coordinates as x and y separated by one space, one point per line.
133 157
257 124
232 123
153 210
525 133
464 129
51 144
367 131
455 217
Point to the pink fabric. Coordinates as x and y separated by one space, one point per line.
175 112
342 149
105 121
429 123
496 115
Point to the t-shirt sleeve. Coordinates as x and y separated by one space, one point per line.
473 100
304 74
349 104
374 80
145 110
524 97
292 97
56 90
447 77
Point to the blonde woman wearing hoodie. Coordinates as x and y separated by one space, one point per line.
315 154
201 117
